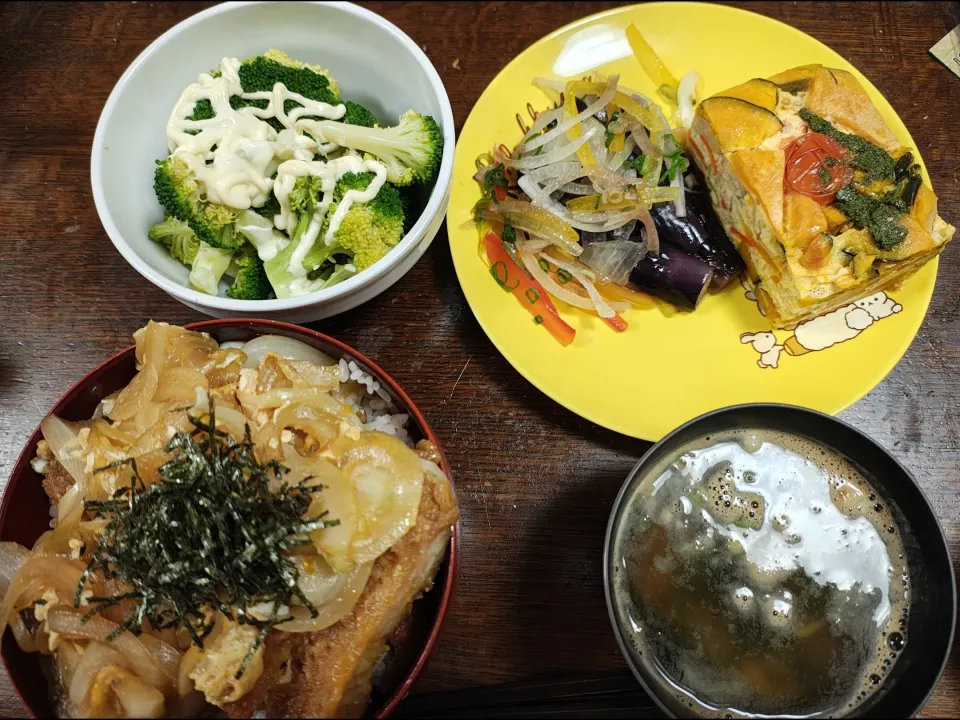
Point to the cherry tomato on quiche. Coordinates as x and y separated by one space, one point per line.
815 166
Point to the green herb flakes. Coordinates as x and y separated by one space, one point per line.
881 219
675 162
494 176
641 164
874 160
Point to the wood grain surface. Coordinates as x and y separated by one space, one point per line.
535 481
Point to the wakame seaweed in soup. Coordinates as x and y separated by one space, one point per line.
761 574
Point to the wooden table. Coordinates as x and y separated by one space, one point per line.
530 601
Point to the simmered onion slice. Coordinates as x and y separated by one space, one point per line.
376 499
285 347
153 660
342 591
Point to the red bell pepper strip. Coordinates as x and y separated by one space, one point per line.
617 323
564 278
513 278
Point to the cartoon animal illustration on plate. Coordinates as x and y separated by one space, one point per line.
822 332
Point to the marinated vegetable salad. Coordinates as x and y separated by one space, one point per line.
598 208
275 181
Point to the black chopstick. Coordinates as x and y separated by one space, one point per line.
612 694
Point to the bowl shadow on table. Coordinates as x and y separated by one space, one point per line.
568 668
568 576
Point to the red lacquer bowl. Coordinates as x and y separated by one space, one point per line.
24 513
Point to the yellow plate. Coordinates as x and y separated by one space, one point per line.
663 371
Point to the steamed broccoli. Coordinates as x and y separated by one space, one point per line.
261 73
219 241
367 231
331 274
358 115
249 278
203 110
250 283
270 208
309 83
245 257
208 267
179 194
177 237
303 202
411 150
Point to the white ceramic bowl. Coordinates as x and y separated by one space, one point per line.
376 64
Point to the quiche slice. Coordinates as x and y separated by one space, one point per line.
818 195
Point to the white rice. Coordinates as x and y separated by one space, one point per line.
381 413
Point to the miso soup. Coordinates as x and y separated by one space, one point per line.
761 574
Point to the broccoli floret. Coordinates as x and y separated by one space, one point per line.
367 231
303 202
179 194
279 56
177 237
203 110
411 150
246 256
358 115
261 73
249 278
304 196
332 273
209 265
250 283
270 208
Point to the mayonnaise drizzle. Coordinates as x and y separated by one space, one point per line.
379 171
233 154
328 172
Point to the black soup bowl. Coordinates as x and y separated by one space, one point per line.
932 598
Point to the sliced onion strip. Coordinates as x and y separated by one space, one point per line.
617 160
287 348
40 573
349 588
552 286
589 111
94 658
153 660
547 158
604 309
62 439
653 240
686 98
543 119
13 556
